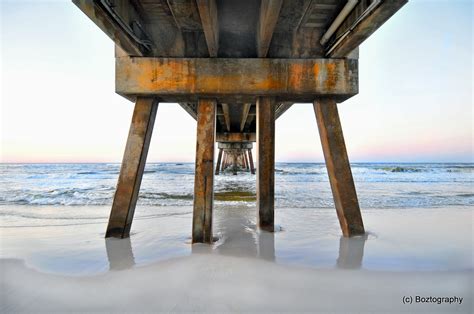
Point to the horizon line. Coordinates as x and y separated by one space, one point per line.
192 162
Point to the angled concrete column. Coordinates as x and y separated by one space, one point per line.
339 169
252 168
266 162
244 160
204 175
224 161
131 172
234 163
219 158
246 156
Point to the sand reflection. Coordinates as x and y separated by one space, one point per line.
119 253
238 236
351 252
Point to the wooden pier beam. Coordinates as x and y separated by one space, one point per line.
204 175
266 162
133 164
338 167
219 158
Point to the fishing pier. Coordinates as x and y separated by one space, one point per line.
236 66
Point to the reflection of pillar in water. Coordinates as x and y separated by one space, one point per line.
266 245
199 248
351 252
119 253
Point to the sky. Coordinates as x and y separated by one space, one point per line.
415 101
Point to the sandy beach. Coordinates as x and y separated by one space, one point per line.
304 267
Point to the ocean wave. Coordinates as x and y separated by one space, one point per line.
163 195
402 169
172 184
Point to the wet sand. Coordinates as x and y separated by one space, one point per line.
305 267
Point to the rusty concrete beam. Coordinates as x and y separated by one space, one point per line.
338 167
367 27
208 13
269 12
236 137
131 172
204 174
266 162
232 146
185 79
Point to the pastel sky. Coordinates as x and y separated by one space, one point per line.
58 102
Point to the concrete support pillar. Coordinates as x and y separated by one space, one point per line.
266 162
246 158
252 168
224 160
204 175
131 172
234 163
339 169
219 159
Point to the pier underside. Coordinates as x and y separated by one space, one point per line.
236 67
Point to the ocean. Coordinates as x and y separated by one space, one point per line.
418 217
300 185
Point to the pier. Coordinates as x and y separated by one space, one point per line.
236 67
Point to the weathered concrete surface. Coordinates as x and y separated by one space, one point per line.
266 162
269 12
246 161
236 80
208 13
219 159
131 172
365 28
236 137
252 168
204 174
224 162
338 166
234 145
